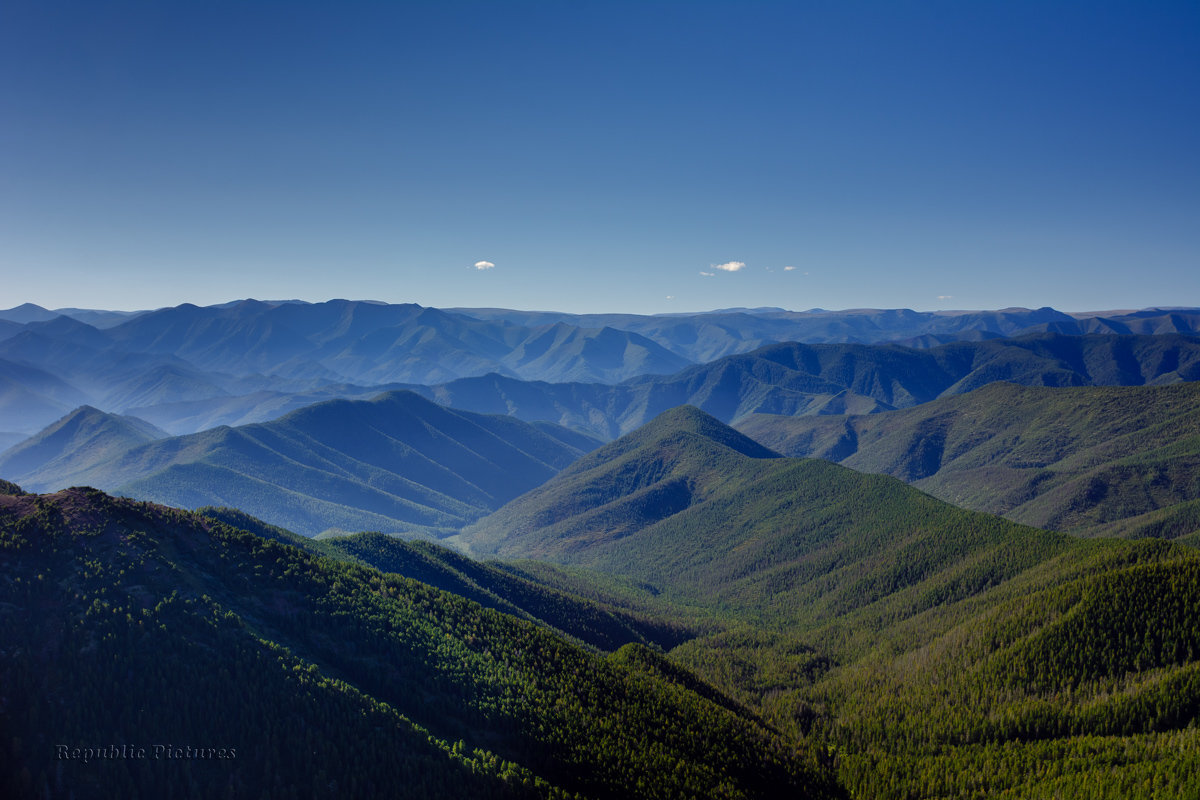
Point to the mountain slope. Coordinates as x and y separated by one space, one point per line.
397 463
603 621
1067 459
939 652
705 515
134 625
71 449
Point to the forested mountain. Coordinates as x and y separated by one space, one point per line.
397 463
938 652
174 655
695 509
1069 459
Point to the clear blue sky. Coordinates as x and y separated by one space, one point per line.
604 156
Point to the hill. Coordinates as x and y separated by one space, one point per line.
397 463
82 442
1069 459
604 621
689 506
173 655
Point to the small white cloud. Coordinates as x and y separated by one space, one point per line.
670 297
707 274
730 266
484 265
790 269
945 297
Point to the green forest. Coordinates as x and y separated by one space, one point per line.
680 613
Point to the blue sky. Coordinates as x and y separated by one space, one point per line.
603 156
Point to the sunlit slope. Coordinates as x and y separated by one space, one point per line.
1069 459
691 507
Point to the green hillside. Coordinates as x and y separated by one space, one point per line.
692 508
931 651
1069 459
602 622
298 675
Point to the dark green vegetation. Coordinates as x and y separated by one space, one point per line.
599 622
931 651
133 624
398 463
1110 461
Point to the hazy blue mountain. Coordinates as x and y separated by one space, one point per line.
598 355
397 463
27 312
706 336
795 379
30 398
192 415
68 452
8 329
166 383
147 362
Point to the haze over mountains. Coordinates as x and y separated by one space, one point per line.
397 463
187 368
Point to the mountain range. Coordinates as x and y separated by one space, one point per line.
773 569
795 379
944 650
187 367
763 626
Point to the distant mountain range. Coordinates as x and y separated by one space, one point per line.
346 464
795 379
186 368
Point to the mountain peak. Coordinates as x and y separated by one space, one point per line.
691 420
